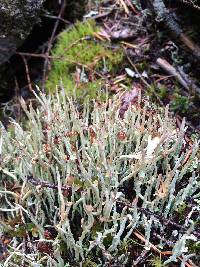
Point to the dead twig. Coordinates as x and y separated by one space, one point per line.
41 183
162 253
187 84
191 3
61 19
160 218
164 15
46 62
103 15
143 239
27 73
62 58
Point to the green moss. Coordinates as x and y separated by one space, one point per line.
79 61
177 102
89 263
181 210
126 245
108 240
156 262
160 91
194 247
143 66
180 103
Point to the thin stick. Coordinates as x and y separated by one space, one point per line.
163 13
62 58
160 218
41 183
187 84
46 63
27 73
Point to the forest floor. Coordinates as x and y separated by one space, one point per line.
156 62
165 69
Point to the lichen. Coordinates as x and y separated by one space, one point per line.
95 179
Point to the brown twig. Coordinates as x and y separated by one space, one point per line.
162 253
164 64
62 58
143 239
160 218
164 15
181 77
27 73
41 183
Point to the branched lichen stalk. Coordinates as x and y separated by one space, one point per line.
95 178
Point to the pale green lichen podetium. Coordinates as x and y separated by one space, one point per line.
103 159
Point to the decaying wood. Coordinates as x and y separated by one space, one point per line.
182 77
164 15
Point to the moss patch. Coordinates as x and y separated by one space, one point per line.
80 61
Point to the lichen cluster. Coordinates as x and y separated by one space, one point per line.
79 186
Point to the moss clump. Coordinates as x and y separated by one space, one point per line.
80 62
156 262
181 210
194 248
180 103
89 263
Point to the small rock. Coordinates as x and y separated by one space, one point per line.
17 18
